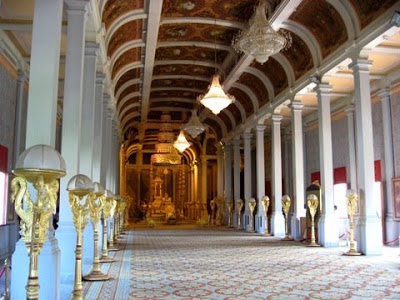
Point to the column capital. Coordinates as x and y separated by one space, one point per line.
21 76
236 141
106 98
360 64
247 136
349 109
276 119
227 143
260 128
77 6
384 94
91 49
323 88
100 77
296 105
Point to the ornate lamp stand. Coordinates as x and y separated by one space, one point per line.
40 165
78 187
252 206
111 246
312 203
122 216
230 207
95 211
286 206
352 198
239 203
107 205
265 204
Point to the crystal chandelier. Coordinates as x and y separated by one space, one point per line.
259 39
194 126
216 99
181 142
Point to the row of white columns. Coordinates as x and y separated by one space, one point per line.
89 137
369 229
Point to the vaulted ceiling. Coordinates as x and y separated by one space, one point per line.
162 54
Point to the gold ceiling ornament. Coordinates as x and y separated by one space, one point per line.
194 127
259 39
181 142
216 99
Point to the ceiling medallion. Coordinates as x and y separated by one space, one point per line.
216 99
194 126
259 39
181 142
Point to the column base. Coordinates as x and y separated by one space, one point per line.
392 230
369 235
295 228
260 222
246 219
277 224
66 235
328 230
48 267
96 276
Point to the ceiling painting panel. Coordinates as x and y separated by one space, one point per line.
224 117
129 75
369 10
214 124
235 112
275 73
299 56
244 100
127 32
130 56
257 86
191 53
324 22
131 89
113 9
213 34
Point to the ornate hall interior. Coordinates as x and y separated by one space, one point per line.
199 149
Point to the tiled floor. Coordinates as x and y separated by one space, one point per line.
219 263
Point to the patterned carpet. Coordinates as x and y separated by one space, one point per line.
219 263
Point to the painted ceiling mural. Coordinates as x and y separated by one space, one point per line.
193 41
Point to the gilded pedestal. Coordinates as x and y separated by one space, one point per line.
96 199
352 199
312 203
286 206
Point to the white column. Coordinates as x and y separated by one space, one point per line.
247 178
98 128
260 218
87 116
328 231
203 171
228 177
41 129
277 219
352 148
236 176
43 75
70 139
105 141
298 169
220 170
388 174
108 146
287 176
369 229
19 133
